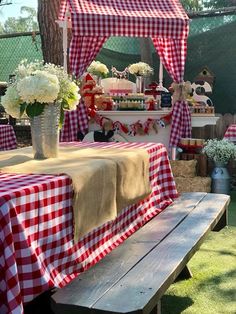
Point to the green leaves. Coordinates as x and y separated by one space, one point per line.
22 108
35 109
61 120
64 104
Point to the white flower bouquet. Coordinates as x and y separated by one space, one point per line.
220 151
99 69
140 69
37 84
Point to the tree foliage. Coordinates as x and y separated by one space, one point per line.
192 5
198 5
1 29
26 23
215 4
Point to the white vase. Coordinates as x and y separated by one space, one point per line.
45 132
139 84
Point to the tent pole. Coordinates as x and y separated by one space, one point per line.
161 74
65 39
146 54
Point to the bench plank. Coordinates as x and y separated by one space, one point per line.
156 229
102 276
163 264
106 286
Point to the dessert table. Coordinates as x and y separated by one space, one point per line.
7 137
230 133
78 118
38 251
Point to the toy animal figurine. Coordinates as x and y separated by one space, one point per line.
103 135
96 136
201 90
180 91
120 74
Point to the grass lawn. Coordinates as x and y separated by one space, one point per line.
213 286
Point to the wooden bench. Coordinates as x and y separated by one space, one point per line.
134 276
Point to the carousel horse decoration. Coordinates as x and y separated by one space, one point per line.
120 74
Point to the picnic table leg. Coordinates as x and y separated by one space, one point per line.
184 274
222 222
157 308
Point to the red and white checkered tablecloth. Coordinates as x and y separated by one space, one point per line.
7 137
36 228
230 133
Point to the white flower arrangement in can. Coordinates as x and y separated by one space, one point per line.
99 69
220 151
37 84
140 69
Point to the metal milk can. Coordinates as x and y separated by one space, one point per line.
220 179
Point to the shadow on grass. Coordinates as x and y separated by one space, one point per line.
221 252
171 304
232 210
217 281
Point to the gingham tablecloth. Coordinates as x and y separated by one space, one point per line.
36 228
74 121
7 137
230 133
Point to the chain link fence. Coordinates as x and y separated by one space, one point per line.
14 48
211 44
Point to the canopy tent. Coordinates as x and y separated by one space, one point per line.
166 22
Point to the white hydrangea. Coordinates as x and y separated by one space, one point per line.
220 151
102 68
36 82
140 68
72 96
25 69
11 102
98 68
41 87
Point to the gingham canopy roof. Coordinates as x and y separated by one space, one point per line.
165 21
140 18
94 21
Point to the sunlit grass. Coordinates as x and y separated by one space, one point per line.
212 290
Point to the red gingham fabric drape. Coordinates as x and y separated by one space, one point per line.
74 121
174 64
172 61
82 118
181 123
70 126
83 51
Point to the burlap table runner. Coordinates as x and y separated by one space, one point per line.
104 180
